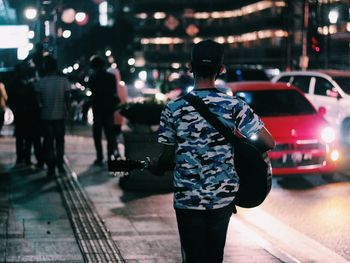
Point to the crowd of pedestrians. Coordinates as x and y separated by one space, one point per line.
40 99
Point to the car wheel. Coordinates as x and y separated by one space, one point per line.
345 131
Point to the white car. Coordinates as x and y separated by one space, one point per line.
329 89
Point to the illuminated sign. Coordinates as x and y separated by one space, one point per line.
14 36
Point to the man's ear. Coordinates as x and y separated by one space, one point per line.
190 67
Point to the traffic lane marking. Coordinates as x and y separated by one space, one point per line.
291 243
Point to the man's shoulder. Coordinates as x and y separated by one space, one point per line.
175 103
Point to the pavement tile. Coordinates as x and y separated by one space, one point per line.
2 249
15 226
120 225
37 228
106 210
45 212
42 250
144 249
151 225
3 226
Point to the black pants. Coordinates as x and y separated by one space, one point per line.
27 133
24 149
203 234
54 131
105 122
2 118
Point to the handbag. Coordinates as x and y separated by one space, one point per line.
252 166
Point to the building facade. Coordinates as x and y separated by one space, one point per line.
273 34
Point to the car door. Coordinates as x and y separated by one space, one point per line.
326 95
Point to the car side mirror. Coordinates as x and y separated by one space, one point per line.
322 110
333 93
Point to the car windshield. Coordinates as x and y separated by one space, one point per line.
234 75
277 102
344 83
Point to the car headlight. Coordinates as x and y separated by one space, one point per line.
328 134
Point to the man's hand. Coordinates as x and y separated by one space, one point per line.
165 162
153 168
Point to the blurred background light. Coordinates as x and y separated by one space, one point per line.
103 13
175 65
131 61
108 53
81 18
30 46
31 34
68 15
22 53
66 34
47 28
30 13
139 84
159 15
333 16
143 75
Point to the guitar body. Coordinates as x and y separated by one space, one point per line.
255 176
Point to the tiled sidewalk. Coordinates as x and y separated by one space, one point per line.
34 226
142 223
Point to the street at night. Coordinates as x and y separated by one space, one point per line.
304 219
168 131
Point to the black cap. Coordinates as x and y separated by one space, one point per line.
208 52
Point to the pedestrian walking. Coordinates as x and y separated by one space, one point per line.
204 177
24 104
3 99
53 95
104 102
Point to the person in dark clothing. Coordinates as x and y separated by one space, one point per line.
104 101
26 111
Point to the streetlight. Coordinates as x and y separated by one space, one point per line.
30 13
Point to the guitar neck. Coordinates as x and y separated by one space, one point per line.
119 165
